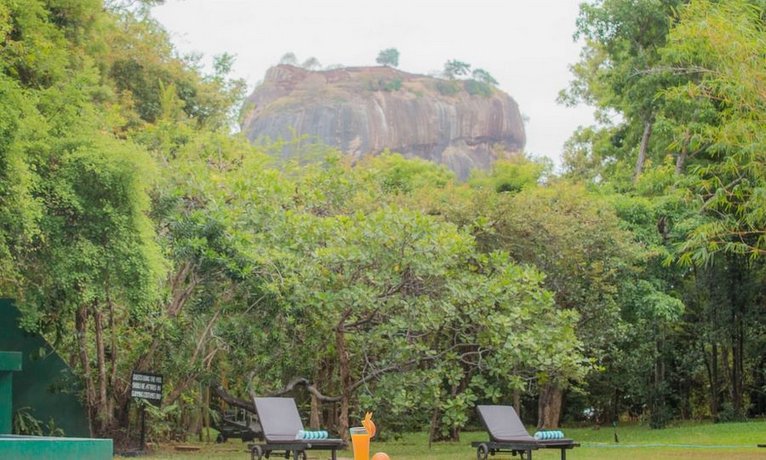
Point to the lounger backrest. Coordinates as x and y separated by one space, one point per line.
503 424
279 418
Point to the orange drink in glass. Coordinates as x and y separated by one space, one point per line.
360 441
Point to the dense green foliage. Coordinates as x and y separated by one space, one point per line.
388 57
692 76
481 83
138 232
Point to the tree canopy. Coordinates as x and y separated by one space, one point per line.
388 57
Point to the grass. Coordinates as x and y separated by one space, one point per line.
736 441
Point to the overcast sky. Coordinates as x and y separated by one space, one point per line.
526 45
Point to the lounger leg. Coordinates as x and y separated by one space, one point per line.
563 454
334 454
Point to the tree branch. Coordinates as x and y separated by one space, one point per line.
310 387
233 400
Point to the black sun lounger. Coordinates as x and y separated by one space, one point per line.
281 423
507 434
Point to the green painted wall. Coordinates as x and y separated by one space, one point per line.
45 383
10 362
33 447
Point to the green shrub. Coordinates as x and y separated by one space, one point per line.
477 88
24 423
447 88
384 84
393 85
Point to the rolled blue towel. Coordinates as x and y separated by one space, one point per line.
546 435
306 434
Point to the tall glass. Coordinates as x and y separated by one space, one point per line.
360 441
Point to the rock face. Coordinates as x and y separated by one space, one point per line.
365 110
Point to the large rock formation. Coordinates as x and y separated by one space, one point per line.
364 110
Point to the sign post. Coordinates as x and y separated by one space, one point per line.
147 387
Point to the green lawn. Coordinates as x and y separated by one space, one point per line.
691 441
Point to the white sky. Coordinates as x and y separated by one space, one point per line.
525 44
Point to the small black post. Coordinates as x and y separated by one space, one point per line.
143 428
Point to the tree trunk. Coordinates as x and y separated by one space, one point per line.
330 412
104 414
81 325
657 401
182 285
206 414
332 417
711 363
737 336
715 381
200 354
736 374
345 382
642 150
454 434
200 425
715 384
315 419
726 370
517 402
119 391
314 422
549 406
684 152
434 425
